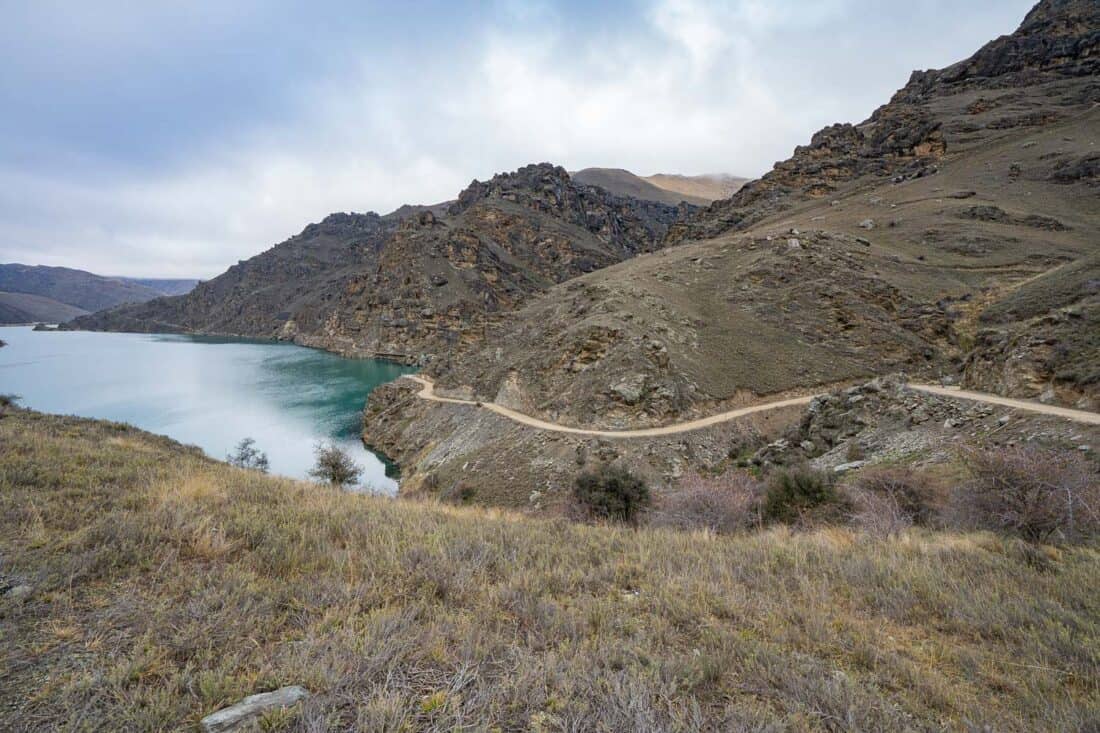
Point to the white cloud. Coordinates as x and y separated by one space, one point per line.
697 87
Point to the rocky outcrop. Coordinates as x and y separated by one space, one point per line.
884 421
440 281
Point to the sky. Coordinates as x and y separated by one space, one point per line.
172 139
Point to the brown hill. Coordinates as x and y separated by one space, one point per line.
706 188
662 187
78 289
954 234
25 308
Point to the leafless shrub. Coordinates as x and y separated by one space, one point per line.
886 500
1035 493
723 504
247 455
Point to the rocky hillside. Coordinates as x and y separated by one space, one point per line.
418 281
952 235
296 279
81 291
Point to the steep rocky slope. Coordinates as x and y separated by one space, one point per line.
416 282
76 288
952 235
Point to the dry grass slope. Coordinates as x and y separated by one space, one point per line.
167 585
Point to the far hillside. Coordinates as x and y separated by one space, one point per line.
23 308
58 294
164 286
663 188
707 188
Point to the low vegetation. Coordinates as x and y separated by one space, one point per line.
334 465
247 455
164 586
1033 493
611 492
801 496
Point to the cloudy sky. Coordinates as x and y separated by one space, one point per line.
174 138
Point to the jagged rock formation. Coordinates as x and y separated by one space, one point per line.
415 282
440 279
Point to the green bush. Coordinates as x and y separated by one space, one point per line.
795 495
611 492
334 465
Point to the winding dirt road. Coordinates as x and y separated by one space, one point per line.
427 392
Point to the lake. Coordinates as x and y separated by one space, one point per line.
205 391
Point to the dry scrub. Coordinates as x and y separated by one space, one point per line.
166 585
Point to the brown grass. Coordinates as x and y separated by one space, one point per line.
167 585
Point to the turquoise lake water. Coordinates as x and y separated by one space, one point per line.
209 392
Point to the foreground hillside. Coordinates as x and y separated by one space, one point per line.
147 586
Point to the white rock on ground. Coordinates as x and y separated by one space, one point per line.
234 716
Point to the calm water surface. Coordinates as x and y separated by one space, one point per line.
209 392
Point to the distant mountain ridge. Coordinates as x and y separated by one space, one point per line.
23 308
664 188
163 285
56 294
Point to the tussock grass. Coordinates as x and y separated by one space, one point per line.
167 586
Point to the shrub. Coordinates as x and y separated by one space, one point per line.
722 504
800 495
611 492
334 465
8 402
1030 492
887 500
246 455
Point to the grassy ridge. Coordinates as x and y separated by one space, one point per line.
167 585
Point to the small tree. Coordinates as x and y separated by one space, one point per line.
8 402
611 492
334 465
246 455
